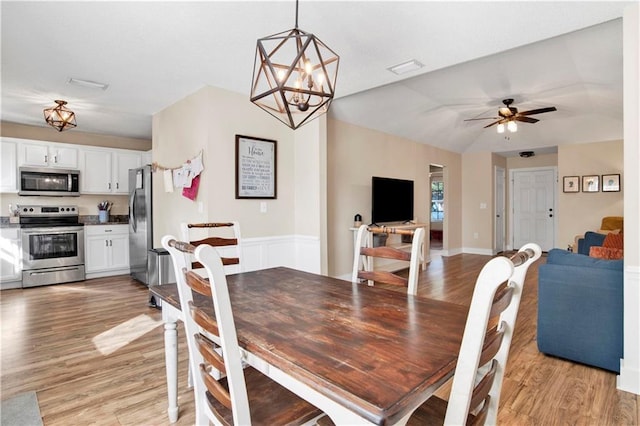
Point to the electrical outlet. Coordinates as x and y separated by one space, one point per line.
263 207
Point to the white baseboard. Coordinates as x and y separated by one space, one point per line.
472 250
629 379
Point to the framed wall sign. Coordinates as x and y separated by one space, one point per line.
571 184
610 183
591 183
255 167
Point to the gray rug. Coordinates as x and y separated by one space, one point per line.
21 410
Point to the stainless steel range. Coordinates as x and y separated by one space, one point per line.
52 245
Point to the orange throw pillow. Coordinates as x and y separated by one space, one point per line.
614 241
606 253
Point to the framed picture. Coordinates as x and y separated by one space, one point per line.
255 167
591 183
571 184
610 183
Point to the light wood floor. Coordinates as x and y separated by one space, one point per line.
93 351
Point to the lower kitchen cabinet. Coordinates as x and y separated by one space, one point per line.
106 250
10 273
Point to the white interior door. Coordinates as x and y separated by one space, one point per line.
533 203
498 240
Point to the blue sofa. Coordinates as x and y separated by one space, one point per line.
580 307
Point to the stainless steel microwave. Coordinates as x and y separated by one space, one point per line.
49 181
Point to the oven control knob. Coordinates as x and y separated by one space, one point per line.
24 209
31 209
73 209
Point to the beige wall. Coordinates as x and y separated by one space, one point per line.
354 155
477 190
580 212
74 136
209 120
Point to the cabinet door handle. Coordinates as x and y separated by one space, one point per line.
106 243
55 158
110 243
45 158
109 185
117 185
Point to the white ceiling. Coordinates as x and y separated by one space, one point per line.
152 54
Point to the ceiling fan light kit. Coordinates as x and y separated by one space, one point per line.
60 117
294 76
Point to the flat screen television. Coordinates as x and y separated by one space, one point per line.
391 200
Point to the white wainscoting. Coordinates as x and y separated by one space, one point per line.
294 251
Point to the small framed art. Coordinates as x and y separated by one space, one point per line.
611 183
591 183
571 184
255 167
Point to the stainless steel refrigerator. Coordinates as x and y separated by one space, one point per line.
140 222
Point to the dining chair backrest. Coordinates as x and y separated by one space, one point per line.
365 254
225 236
205 332
225 392
487 338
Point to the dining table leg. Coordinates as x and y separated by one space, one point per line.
170 317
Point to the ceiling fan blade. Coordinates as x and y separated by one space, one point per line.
483 118
493 124
526 119
538 111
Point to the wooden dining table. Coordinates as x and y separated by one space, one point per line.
363 355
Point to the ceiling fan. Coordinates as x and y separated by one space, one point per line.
509 115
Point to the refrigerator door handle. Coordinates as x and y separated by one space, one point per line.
132 211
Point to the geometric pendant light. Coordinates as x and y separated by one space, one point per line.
60 117
294 76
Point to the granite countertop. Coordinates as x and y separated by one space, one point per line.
87 220
114 219
4 223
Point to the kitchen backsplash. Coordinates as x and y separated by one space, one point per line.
88 204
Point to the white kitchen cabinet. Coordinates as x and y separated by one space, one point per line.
8 166
123 161
106 250
47 154
10 264
106 171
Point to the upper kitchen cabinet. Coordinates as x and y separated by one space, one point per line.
106 171
46 154
8 165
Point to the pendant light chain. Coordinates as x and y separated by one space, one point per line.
296 14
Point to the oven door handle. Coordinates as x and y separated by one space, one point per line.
54 230
132 211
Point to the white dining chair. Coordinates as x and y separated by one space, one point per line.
364 263
243 396
477 381
224 236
